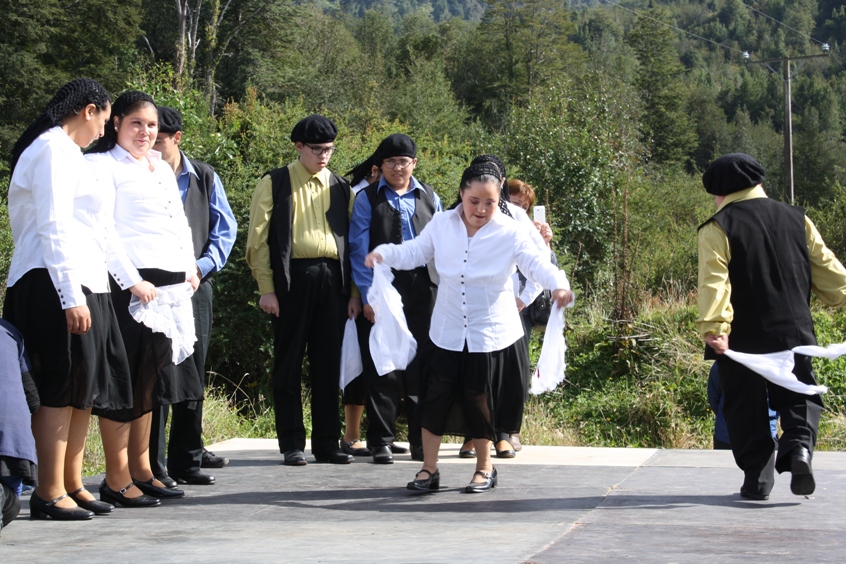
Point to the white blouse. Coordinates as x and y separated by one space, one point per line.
148 211
532 289
475 303
61 221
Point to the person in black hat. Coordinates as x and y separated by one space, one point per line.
759 260
393 210
298 251
213 228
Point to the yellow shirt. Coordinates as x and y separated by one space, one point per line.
311 235
828 277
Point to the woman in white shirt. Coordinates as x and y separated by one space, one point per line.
154 231
474 324
58 292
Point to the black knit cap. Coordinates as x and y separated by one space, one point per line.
170 120
395 145
314 129
732 173
491 159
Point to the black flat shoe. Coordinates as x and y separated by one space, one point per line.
167 481
505 453
347 447
98 507
333 457
467 453
294 458
382 455
754 496
417 452
211 460
195 478
802 480
433 482
155 491
479 487
40 509
117 498
396 449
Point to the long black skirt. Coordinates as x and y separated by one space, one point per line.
156 380
81 371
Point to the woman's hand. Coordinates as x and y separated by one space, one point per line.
520 305
79 319
195 282
562 297
145 291
371 259
354 307
545 231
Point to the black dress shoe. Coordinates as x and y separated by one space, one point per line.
382 455
347 447
118 498
167 481
802 482
40 509
479 487
396 449
505 453
471 453
155 491
333 457
195 478
753 495
294 458
211 460
417 452
431 482
98 507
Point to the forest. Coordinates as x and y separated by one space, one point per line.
611 110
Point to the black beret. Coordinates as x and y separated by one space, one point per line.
732 173
314 129
396 145
170 120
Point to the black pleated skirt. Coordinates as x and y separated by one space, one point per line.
80 371
156 380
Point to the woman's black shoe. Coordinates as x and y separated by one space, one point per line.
155 491
40 509
117 498
467 453
347 447
433 482
479 487
98 507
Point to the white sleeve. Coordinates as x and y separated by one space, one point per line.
410 254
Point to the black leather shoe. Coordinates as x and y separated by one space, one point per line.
155 491
211 460
195 478
117 498
333 457
479 487
347 447
40 509
753 496
382 455
417 452
802 482
167 481
507 452
467 453
294 458
97 507
432 482
396 449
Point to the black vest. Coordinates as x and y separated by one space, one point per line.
197 206
770 275
279 232
386 221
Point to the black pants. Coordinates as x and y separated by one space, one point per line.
384 392
747 418
311 316
185 448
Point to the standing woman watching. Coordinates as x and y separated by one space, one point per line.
475 325
154 231
58 292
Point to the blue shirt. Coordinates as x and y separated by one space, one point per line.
222 225
362 215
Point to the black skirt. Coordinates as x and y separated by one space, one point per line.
156 380
80 371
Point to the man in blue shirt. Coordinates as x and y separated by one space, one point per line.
213 230
393 210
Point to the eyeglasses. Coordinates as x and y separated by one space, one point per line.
321 150
392 164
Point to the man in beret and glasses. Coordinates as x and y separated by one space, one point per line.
298 250
759 260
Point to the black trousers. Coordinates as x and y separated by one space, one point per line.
185 447
383 393
311 317
747 418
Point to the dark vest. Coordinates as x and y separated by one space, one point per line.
386 221
770 275
279 233
197 206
